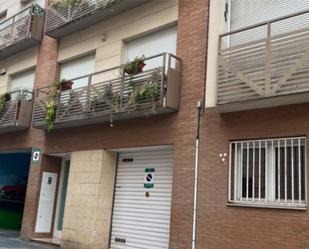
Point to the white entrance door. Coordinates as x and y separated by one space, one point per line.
142 204
46 203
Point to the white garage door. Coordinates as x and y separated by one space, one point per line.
142 205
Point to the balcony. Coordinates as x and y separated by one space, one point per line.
15 110
21 31
64 17
110 95
264 65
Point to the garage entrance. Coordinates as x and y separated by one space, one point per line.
14 171
142 203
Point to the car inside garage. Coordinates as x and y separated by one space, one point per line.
14 171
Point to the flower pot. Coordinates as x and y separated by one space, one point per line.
136 69
141 65
66 86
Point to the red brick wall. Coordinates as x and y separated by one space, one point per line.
177 129
223 227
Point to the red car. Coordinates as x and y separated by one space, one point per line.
17 192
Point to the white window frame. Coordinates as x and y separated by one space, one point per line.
270 146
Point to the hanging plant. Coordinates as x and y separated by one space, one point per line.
150 91
135 66
37 10
51 109
108 95
3 100
51 103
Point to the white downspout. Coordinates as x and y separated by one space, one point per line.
196 168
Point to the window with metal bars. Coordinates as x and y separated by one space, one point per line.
268 172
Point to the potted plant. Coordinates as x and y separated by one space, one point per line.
135 66
3 100
51 104
63 85
148 92
96 103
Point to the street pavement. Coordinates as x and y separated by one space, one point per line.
11 240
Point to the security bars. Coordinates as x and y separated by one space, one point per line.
269 172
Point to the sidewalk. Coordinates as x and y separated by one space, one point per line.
10 239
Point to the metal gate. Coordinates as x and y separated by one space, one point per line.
142 204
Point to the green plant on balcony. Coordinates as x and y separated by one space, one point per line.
62 85
37 10
3 100
61 5
134 67
108 97
149 91
51 103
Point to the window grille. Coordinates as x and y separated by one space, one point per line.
269 172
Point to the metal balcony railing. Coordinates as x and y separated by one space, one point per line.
110 95
264 65
21 31
15 110
64 17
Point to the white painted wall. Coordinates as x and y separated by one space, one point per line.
217 25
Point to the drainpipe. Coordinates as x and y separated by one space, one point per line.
196 168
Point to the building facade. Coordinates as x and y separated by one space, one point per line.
253 172
112 143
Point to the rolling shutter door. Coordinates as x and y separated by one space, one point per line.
250 12
141 222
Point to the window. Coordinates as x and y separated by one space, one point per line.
77 68
152 44
268 172
22 81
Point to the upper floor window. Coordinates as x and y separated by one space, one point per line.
22 81
77 68
152 44
247 13
270 172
